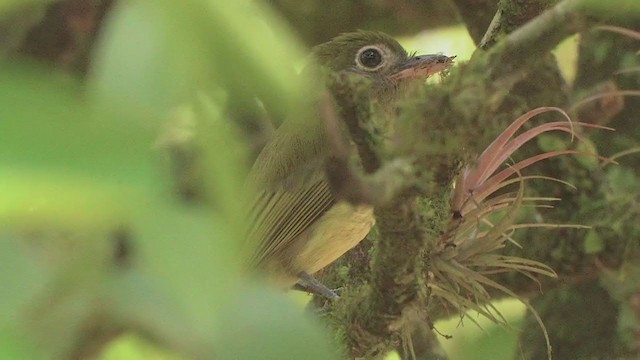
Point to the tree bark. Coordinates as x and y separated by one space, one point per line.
492 82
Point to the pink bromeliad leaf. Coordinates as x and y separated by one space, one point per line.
481 180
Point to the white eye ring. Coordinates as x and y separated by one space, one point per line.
370 58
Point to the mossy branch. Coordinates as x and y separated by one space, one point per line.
462 104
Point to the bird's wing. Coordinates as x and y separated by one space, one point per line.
292 190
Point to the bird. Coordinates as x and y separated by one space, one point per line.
297 226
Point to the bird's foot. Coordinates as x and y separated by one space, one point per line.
313 286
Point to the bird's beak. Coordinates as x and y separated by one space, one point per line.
423 66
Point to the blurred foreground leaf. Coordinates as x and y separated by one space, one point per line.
93 240
261 324
156 54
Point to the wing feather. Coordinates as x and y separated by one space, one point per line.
286 215
292 189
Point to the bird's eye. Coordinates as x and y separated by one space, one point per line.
370 58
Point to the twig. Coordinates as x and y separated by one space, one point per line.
476 15
492 30
509 59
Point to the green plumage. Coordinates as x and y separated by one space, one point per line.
296 223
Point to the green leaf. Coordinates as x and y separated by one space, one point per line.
622 180
255 50
152 55
145 304
66 167
191 254
132 347
46 125
260 324
225 160
194 251
70 178
593 244
589 160
51 310
21 279
15 346
550 142
156 54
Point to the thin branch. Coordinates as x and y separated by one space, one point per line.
509 59
477 15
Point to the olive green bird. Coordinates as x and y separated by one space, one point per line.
297 225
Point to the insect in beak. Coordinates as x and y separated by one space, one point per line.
423 66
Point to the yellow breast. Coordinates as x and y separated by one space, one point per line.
336 232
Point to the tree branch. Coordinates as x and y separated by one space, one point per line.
450 114
477 16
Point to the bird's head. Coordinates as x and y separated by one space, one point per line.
378 57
